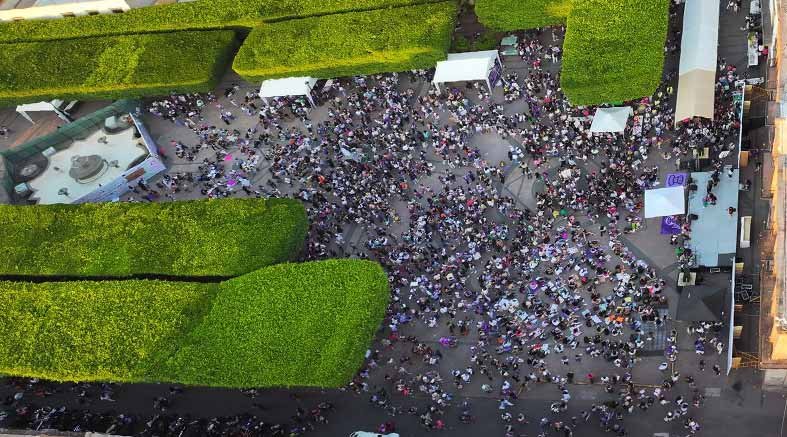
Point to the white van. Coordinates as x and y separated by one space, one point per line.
372 434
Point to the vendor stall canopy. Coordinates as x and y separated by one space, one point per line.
47 106
611 119
290 86
463 67
697 71
665 201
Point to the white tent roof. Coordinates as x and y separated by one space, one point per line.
462 67
611 119
53 106
696 92
291 86
483 54
699 44
665 201
700 38
33 107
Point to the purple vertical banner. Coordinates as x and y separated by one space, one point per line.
669 224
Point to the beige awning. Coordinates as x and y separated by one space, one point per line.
695 95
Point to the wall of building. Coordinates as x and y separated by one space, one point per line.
62 10
146 170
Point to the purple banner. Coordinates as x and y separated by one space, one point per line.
670 225
675 179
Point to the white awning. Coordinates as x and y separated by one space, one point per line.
665 201
695 95
611 119
291 86
700 37
697 71
483 54
461 67
52 106
33 107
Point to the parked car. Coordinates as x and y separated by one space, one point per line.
372 434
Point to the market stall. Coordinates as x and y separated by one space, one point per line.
473 66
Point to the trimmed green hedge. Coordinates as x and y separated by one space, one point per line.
113 67
197 15
87 331
614 50
287 325
504 15
198 238
349 44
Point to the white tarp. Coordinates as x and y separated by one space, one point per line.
696 95
611 119
698 51
665 201
461 67
41 107
290 86
700 37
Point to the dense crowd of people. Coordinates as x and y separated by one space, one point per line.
17 412
532 289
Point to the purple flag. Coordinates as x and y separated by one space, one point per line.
669 225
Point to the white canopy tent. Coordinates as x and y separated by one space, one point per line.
290 86
665 201
471 66
698 51
611 119
51 106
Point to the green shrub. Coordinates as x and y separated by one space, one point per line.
197 15
113 67
460 44
349 44
507 15
86 331
486 41
287 325
198 238
614 50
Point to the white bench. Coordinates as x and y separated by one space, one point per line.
745 240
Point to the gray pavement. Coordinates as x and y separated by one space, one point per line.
733 405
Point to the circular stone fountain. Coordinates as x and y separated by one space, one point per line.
85 169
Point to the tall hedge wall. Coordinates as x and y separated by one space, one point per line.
197 15
614 50
288 325
507 15
349 44
113 67
197 238
87 331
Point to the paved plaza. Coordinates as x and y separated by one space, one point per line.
517 289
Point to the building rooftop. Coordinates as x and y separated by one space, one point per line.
86 165
714 232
